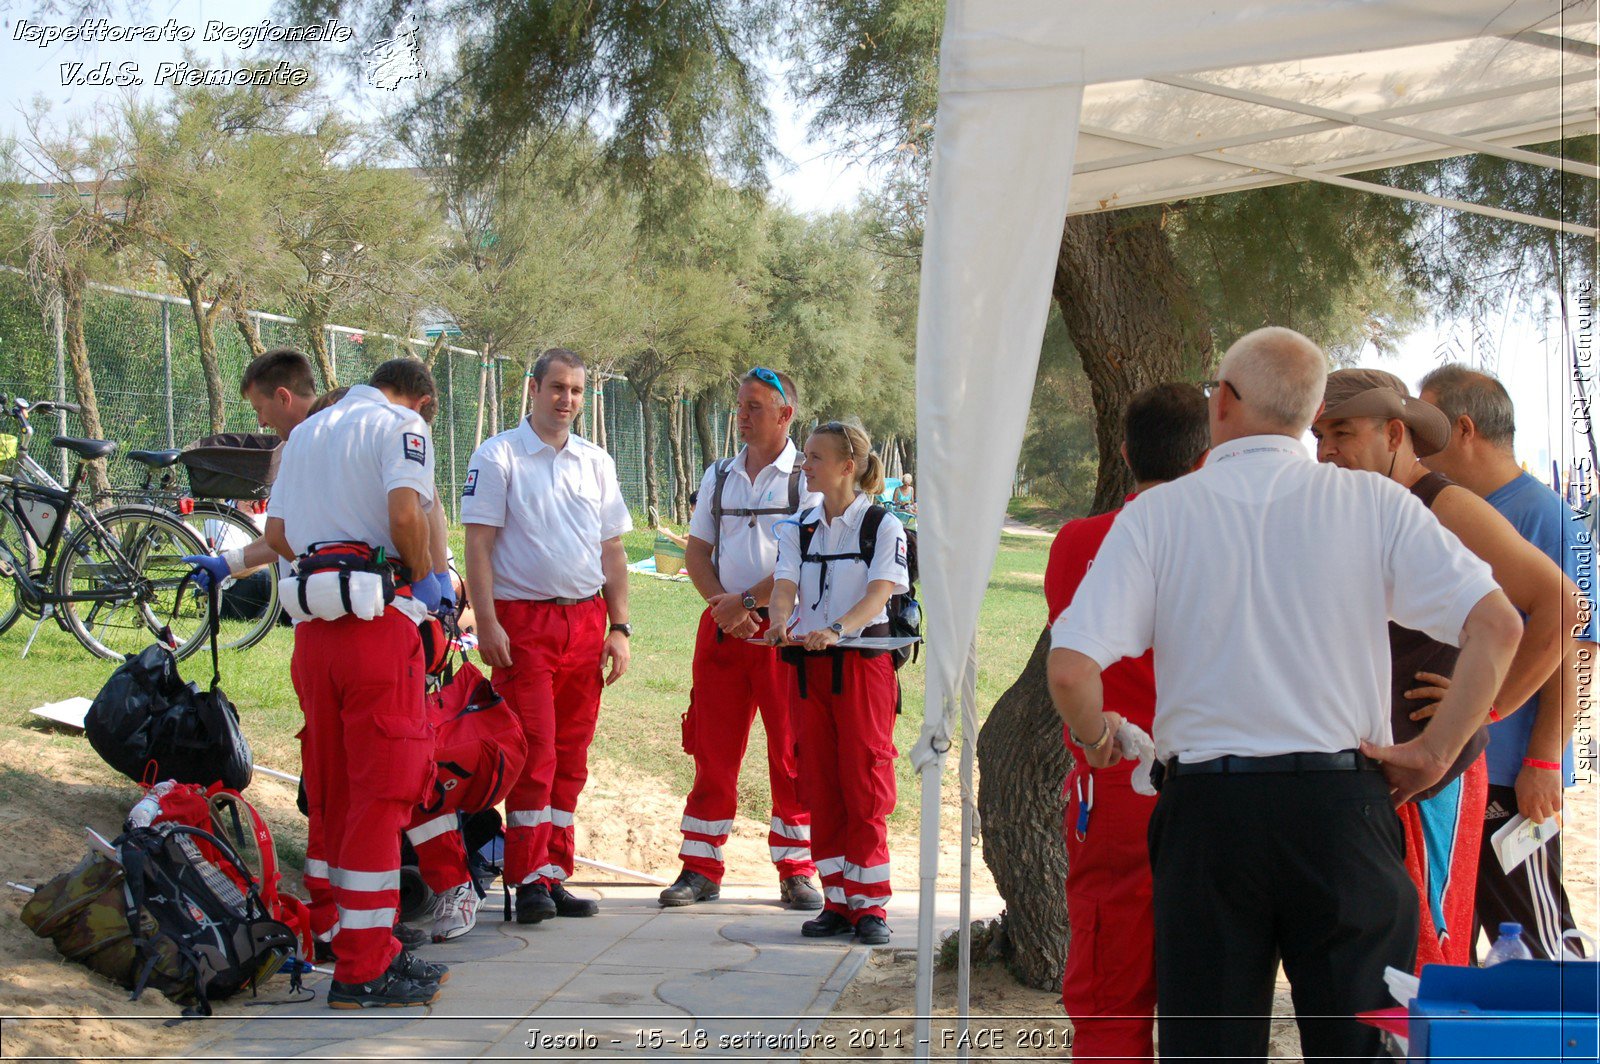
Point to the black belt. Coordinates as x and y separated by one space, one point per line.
1342 761
566 601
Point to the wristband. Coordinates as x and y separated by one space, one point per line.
1494 714
235 560
1533 762
1105 736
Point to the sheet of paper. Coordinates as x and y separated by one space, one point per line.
69 712
1516 841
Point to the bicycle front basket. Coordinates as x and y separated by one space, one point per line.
232 465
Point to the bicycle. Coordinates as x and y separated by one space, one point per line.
250 608
113 579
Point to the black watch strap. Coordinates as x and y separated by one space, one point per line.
624 627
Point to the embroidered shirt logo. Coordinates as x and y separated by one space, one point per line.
416 447
472 483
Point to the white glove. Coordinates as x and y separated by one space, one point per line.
1138 746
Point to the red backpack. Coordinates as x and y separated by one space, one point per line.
478 744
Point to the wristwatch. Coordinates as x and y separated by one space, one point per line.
625 628
836 628
748 602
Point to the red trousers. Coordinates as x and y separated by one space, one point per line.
441 855
553 685
847 775
732 680
1443 836
1111 969
367 756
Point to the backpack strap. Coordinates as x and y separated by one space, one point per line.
794 488
722 467
863 551
871 521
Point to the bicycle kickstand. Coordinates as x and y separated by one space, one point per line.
47 613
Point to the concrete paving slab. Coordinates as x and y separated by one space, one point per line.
477 1029
693 949
601 982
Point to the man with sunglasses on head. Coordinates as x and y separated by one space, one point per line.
731 555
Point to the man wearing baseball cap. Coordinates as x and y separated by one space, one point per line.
1371 422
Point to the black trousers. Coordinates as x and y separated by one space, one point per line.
1531 894
1251 869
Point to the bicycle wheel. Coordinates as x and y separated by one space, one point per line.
249 607
17 552
152 542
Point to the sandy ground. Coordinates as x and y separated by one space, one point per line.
873 1017
52 787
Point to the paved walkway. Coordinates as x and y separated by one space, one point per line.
732 979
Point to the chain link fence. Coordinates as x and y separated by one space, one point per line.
144 356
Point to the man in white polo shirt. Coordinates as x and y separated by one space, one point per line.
548 579
357 480
730 557
1274 836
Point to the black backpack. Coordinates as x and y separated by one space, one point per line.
723 467
159 914
905 613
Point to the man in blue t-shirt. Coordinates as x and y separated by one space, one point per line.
1530 750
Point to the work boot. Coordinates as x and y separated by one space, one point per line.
387 991
690 888
534 903
829 923
872 931
569 904
798 892
414 968
457 913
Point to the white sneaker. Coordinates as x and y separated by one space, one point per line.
457 911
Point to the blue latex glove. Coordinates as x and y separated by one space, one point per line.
426 591
208 569
447 590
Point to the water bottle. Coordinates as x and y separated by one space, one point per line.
1508 946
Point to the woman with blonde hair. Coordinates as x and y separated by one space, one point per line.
838 565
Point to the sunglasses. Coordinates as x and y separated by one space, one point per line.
1209 388
766 376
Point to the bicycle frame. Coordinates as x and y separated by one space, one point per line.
37 482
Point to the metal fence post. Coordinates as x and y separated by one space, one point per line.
61 373
166 366
450 413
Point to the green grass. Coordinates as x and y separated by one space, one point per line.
1038 513
639 720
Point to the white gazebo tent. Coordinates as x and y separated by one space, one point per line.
1055 107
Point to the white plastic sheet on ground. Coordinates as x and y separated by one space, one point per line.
1054 106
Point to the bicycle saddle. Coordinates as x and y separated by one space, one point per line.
155 459
85 449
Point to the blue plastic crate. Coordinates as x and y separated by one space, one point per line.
1516 1011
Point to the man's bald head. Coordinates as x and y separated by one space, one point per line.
1280 376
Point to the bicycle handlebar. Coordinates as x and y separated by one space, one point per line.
19 408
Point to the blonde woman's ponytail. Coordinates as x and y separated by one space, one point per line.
870 479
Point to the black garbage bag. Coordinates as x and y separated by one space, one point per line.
149 724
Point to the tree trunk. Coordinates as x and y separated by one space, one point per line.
1022 766
702 430
1136 320
317 336
248 329
73 288
597 408
680 462
205 332
908 458
644 392
434 348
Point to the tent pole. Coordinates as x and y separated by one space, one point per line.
927 905
969 820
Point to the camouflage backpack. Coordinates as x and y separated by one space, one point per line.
159 914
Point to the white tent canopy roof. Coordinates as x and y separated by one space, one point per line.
1051 106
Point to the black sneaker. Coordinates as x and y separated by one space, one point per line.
388 991
690 888
412 937
798 892
872 931
828 924
569 904
322 951
534 903
416 969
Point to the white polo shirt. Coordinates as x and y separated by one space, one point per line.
818 607
748 551
338 468
553 508
1265 582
